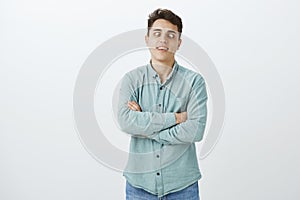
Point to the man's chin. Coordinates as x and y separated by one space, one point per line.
164 57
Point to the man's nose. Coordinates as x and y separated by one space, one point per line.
163 39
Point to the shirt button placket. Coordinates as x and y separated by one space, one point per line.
160 108
158 173
159 182
161 94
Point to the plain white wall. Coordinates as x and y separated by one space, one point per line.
254 45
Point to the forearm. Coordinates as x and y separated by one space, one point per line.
187 132
144 123
193 129
135 122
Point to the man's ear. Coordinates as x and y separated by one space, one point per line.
179 43
146 39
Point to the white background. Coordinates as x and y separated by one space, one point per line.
254 44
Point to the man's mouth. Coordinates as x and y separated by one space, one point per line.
162 48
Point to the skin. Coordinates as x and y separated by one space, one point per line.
160 37
163 41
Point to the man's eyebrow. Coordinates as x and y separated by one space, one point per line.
169 31
157 29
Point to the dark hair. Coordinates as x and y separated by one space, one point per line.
166 15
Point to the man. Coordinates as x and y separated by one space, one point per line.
162 105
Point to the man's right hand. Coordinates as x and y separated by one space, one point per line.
181 117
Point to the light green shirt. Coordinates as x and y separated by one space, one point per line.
163 155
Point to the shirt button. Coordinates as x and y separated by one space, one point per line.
161 88
157 156
157 173
159 105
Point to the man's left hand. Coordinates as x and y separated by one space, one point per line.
134 106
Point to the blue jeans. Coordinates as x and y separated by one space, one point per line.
189 193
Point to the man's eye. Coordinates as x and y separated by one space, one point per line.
156 34
171 35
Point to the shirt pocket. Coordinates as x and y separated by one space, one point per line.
180 104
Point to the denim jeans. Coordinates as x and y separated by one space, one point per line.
189 193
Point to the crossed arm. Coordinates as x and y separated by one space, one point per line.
165 128
180 117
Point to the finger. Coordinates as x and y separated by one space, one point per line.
136 105
131 107
131 104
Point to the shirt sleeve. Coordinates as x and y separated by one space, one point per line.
193 129
139 123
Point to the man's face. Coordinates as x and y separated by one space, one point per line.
163 40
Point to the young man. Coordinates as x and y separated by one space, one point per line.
163 106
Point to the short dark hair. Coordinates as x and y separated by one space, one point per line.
166 15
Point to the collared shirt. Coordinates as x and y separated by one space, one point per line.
162 155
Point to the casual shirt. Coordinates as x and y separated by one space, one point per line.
162 155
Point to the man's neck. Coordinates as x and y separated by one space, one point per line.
163 69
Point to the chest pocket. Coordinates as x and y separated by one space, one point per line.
180 104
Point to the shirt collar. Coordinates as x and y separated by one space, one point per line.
153 74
